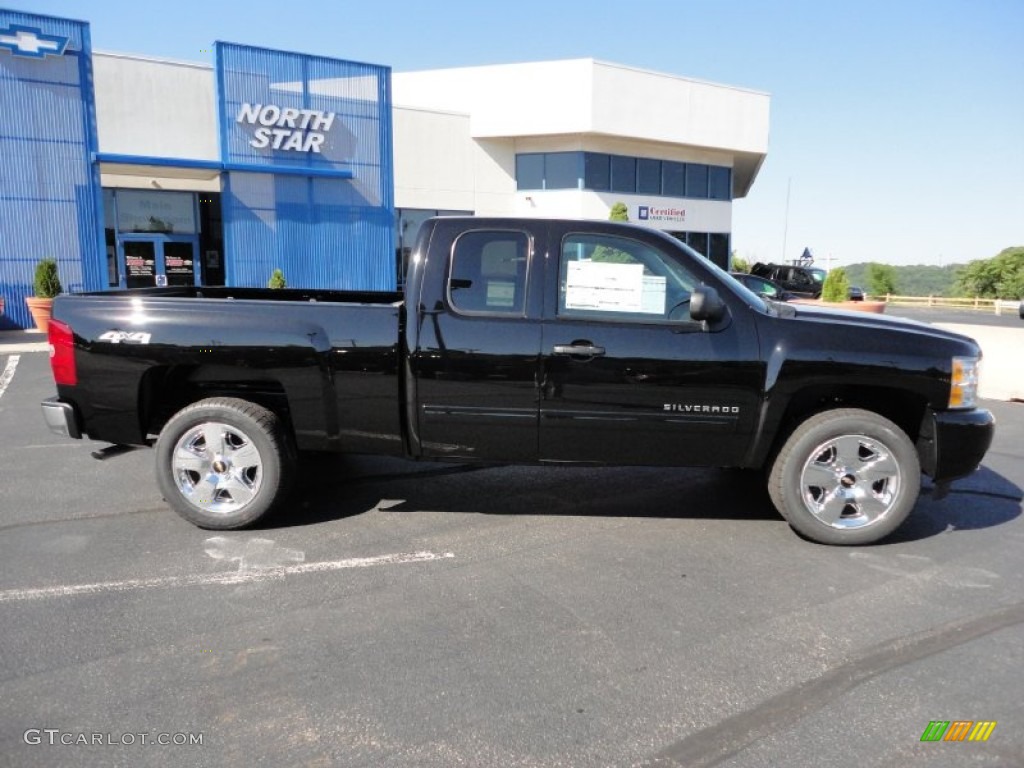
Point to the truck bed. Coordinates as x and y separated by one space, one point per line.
329 358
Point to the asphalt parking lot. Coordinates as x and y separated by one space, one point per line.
407 614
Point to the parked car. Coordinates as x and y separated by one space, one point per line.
856 293
524 341
762 286
802 282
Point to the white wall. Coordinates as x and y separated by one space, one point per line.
586 102
434 160
457 132
155 108
658 107
506 100
699 216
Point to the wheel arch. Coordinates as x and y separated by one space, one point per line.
906 409
165 390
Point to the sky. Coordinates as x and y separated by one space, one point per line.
897 128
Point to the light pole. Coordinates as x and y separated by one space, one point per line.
785 225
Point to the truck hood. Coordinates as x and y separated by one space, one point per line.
867 320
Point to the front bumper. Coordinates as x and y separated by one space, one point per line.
953 443
61 418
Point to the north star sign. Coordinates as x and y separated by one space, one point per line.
31 42
298 130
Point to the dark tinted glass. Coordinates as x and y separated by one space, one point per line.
529 171
720 183
698 241
488 272
673 179
648 176
562 170
696 180
623 174
597 171
718 249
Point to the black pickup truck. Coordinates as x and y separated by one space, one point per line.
524 341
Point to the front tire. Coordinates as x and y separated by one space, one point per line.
223 463
846 476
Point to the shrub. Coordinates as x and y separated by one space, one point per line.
836 286
47 282
277 280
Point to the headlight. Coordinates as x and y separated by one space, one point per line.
963 389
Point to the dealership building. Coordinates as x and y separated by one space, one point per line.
133 171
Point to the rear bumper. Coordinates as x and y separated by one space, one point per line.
953 443
61 418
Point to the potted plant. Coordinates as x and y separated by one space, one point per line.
45 287
836 288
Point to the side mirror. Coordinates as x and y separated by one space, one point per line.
706 305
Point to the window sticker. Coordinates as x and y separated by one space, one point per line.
501 294
610 287
653 299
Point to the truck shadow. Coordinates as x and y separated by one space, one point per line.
983 500
330 489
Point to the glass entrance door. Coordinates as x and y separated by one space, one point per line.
158 260
138 263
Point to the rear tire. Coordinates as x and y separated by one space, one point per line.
846 476
223 463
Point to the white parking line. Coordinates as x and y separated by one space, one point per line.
8 374
234 577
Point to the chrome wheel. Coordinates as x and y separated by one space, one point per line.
217 467
850 481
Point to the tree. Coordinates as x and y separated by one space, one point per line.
738 263
881 279
607 254
277 280
1001 277
46 284
836 286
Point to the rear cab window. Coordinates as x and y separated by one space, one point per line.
488 273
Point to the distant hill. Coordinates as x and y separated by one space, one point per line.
913 280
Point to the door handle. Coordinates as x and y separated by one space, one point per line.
578 350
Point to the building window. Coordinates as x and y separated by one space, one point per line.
562 170
623 174
597 171
719 183
698 241
673 179
718 250
697 181
648 176
530 171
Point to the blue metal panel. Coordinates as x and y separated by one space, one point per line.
308 187
50 198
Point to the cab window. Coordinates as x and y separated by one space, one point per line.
488 273
617 278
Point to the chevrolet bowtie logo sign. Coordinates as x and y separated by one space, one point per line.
26 41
